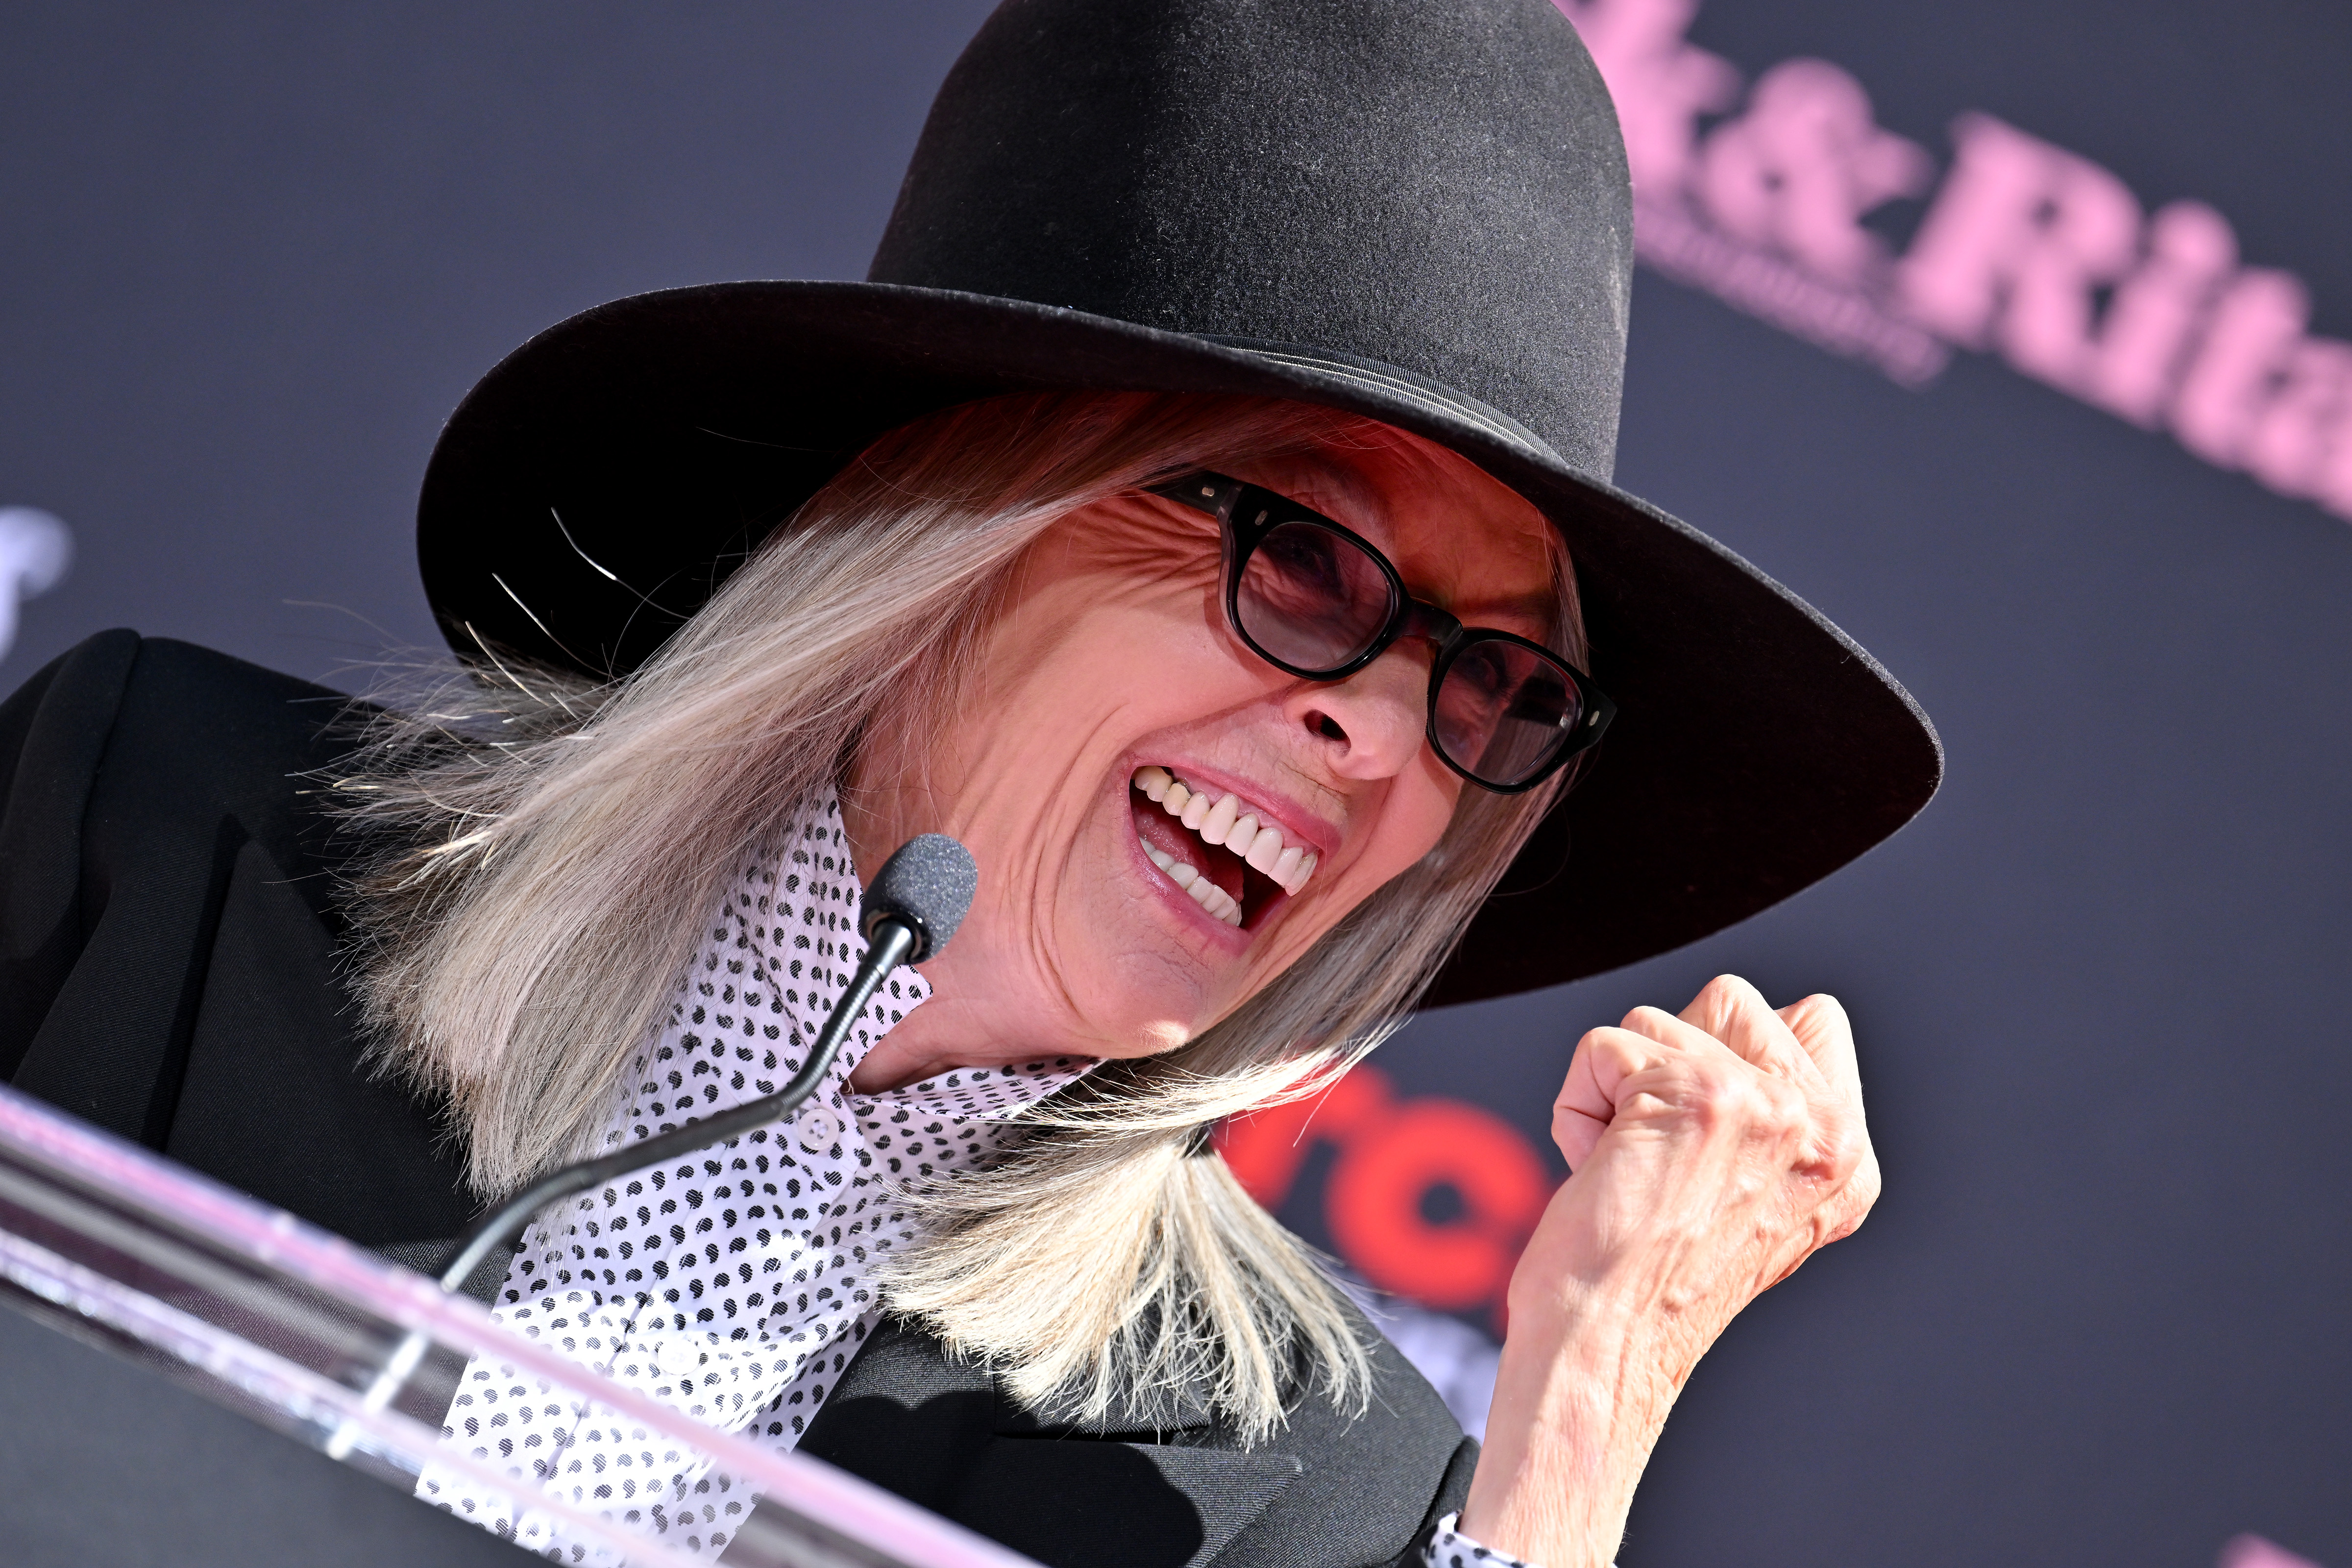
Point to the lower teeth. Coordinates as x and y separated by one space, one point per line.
1204 892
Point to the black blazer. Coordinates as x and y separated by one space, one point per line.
168 933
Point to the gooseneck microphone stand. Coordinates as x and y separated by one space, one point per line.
918 900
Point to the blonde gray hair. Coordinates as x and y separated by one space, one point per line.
547 848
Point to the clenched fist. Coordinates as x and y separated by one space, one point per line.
1711 1153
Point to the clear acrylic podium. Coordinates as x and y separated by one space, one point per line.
293 1328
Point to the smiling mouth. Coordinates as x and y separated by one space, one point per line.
1225 854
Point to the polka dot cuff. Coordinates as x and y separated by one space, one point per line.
1449 1548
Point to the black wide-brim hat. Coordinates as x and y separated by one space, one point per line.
1415 210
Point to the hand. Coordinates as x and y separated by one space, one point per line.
1711 1153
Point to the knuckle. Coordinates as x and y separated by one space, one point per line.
1725 997
1616 1047
1854 1201
1821 1006
1715 1086
1784 1103
1732 1097
1845 1151
1865 1186
1773 1109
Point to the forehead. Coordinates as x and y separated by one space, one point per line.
1457 535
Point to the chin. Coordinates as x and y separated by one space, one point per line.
1131 987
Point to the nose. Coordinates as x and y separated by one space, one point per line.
1370 725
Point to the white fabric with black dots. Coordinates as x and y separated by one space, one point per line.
1449 1548
734 1285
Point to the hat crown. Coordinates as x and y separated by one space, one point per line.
1436 187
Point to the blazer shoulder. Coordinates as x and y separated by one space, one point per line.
1376 1476
119 760
54 727
168 737
226 717
170 931
117 697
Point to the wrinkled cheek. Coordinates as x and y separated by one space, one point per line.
1116 960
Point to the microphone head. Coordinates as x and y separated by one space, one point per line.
928 886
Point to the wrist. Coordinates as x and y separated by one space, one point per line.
1581 1393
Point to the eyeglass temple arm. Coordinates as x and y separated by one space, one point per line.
1211 494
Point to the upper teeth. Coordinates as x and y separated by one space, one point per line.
1227 820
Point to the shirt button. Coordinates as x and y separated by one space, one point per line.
817 1128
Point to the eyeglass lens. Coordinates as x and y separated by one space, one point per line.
1316 600
1311 598
1503 710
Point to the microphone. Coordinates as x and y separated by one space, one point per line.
918 900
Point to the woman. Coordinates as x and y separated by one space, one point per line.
1203 516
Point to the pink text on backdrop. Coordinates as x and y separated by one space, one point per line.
2027 250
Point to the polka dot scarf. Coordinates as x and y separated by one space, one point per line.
737 1284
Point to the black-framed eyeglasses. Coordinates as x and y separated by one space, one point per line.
1314 599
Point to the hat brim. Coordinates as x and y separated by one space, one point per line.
593 488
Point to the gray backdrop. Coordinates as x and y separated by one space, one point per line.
253 254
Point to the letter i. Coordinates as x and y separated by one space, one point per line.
2158 310
2334 486
2256 325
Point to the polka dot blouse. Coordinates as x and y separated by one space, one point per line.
735 1285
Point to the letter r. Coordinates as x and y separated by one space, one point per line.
2018 241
